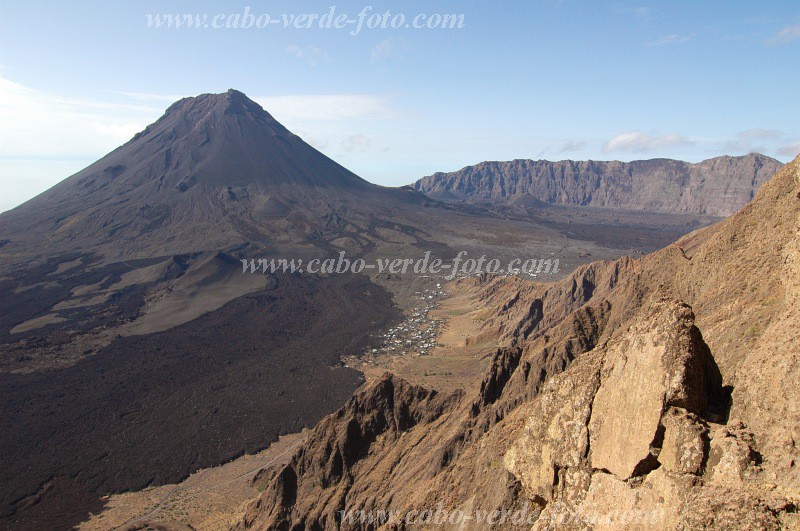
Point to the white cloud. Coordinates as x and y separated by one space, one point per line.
674 38
310 54
638 142
785 36
356 144
387 49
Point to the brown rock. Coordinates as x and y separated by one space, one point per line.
549 458
659 364
731 455
602 424
684 447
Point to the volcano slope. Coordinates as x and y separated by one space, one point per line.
153 408
214 171
657 393
133 350
137 236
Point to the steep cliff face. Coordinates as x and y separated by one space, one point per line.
718 186
655 393
327 474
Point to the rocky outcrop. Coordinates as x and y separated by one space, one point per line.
650 394
664 364
718 186
617 415
325 466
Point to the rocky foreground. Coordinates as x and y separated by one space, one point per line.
656 393
134 351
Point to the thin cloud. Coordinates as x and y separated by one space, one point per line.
639 142
785 36
572 146
387 49
120 132
46 137
356 144
791 151
312 140
326 107
295 51
643 14
309 54
42 124
753 141
674 38
146 96
57 135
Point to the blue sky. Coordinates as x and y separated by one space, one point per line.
534 79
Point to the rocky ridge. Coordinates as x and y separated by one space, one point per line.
633 394
718 186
